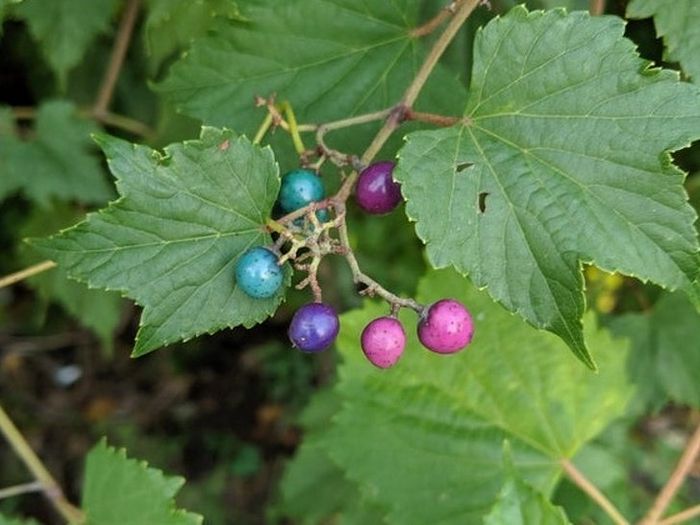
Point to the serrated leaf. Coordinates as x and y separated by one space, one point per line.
563 159
65 28
118 490
421 436
171 241
172 24
96 309
357 58
665 353
56 161
520 504
678 23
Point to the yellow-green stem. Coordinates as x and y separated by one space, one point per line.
262 130
286 108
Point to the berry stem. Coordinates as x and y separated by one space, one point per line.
263 129
286 107
24 488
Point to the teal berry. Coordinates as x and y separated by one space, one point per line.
300 188
258 274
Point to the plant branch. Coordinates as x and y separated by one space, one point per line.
681 517
593 492
50 488
596 7
108 119
432 24
411 94
26 273
116 60
24 488
685 463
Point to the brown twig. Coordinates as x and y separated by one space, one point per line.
116 60
26 273
685 463
108 119
596 7
593 492
681 517
435 22
50 488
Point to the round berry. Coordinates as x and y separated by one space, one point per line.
300 188
377 192
383 341
258 274
314 327
446 327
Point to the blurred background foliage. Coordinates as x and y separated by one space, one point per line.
229 411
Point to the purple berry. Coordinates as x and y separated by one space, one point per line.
383 341
314 327
446 327
377 192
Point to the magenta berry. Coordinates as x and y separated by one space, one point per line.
446 327
383 341
377 192
314 327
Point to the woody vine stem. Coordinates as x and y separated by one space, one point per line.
315 237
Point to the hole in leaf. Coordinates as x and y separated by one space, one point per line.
482 201
463 166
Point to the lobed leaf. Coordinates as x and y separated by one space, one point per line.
420 437
172 239
563 157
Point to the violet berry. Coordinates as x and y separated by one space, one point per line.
314 327
383 341
377 192
446 327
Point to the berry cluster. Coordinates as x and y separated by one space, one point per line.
444 327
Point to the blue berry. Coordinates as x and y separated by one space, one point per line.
300 188
314 327
258 274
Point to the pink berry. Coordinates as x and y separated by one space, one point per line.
383 341
446 327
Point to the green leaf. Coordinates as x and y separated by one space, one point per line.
172 24
678 23
520 504
118 490
55 162
424 438
562 159
665 354
330 58
96 309
313 486
171 241
65 28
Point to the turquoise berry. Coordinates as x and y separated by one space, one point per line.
258 274
300 188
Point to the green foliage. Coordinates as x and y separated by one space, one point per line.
95 309
172 24
65 28
118 490
678 23
431 429
519 504
538 178
358 58
665 353
54 161
6 520
171 241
